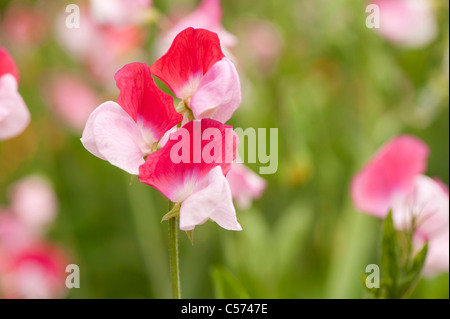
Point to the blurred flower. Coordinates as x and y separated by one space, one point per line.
408 23
119 12
102 49
196 70
393 180
14 115
37 271
34 202
207 16
262 44
24 25
14 235
438 253
200 187
388 175
123 133
245 185
72 100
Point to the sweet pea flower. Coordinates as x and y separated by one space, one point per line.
192 180
408 23
119 12
393 180
389 175
14 234
245 185
14 115
124 133
34 202
35 272
198 72
72 100
207 16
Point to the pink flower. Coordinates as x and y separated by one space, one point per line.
37 271
119 12
102 49
14 115
124 133
197 183
245 185
390 174
427 206
34 202
438 254
197 71
72 100
408 23
14 234
207 16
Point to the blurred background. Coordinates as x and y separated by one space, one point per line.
335 89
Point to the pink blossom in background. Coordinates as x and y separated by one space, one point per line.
24 25
245 185
123 133
408 23
198 72
14 114
35 272
438 253
34 202
119 12
102 49
200 187
72 100
14 234
207 16
427 205
390 174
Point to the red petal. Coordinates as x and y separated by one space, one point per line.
175 180
7 64
192 54
144 101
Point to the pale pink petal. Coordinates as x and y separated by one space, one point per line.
210 199
14 114
112 135
218 94
408 23
245 185
14 234
427 205
438 254
118 12
389 174
34 201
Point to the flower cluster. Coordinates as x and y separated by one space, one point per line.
184 152
30 266
394 180
14 115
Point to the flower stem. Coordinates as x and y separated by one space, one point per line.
173 255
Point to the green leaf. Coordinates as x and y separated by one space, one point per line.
174 211
412 276
389 258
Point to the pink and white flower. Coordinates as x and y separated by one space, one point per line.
198 72
245 185
199 185
124 133
35 272
408 23
393 180
207 16
119 12
14 114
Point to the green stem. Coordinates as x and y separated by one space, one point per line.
173 255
